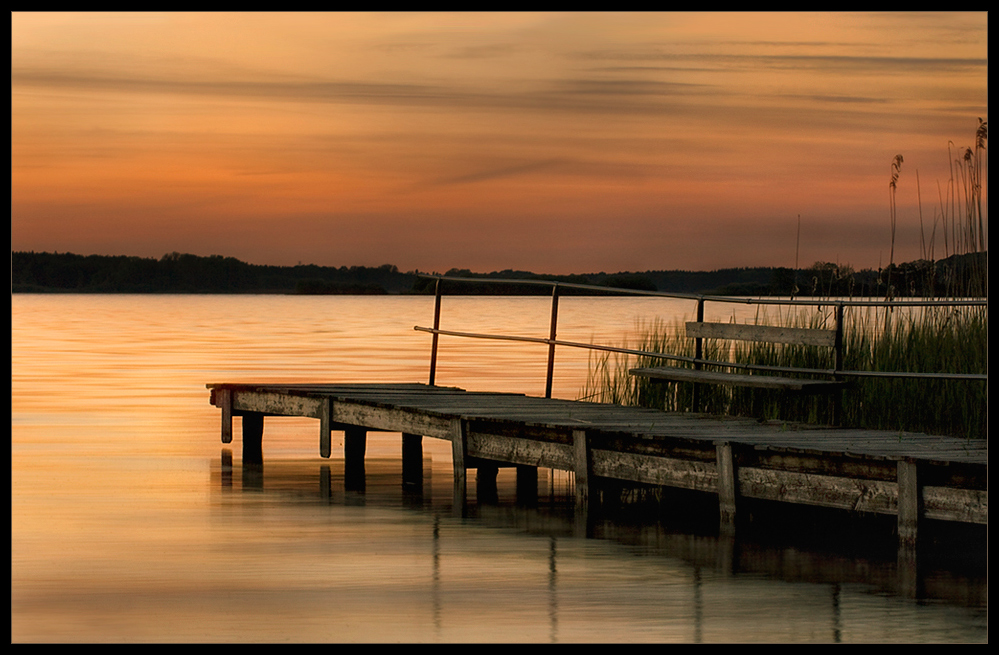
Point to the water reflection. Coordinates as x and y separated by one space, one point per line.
652 562
128 524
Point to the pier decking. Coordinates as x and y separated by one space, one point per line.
911 476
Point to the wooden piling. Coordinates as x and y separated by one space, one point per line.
354 445
485 483
908 502
412 460
325 428
459 448
527 485
253 434
225 402
727 485
582 467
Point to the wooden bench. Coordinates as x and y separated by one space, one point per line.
761 333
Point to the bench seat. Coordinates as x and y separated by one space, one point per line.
675 374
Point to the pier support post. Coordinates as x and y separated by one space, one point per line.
253 435
527 485
485 483
908 502
727 482
909 510
325 428
459 446
583 468
412 460
583 471
354 444
225 401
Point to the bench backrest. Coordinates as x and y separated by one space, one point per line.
768 333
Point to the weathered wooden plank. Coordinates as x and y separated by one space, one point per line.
822 490
738 379
664 471
269 402
392 419
521 451
769 333
950 504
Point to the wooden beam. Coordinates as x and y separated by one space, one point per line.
518 450
763 381
651 469
392 419
769 333
272 402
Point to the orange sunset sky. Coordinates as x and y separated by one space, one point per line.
558 143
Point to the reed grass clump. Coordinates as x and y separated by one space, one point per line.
917 340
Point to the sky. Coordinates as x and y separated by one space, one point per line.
548 142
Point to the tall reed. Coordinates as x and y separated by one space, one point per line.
915 340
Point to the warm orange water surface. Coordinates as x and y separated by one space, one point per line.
125 525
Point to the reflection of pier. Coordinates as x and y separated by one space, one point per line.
910 476
825 555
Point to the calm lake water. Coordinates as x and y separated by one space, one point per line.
127 526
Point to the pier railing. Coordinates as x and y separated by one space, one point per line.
838 305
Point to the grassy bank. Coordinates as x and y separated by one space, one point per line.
926 340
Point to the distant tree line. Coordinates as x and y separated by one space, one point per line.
182 273
958 275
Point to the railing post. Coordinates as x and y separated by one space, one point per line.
837 409
437 325
551 342
698 354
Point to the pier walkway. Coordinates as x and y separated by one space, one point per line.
911 476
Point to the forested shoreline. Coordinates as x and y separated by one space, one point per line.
44 272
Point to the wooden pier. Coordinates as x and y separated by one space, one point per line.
911 476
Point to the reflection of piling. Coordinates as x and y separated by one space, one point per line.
325 482
226 468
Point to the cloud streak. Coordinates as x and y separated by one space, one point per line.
660 125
